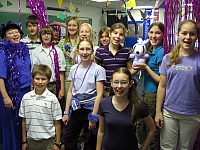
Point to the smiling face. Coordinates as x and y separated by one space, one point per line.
104 39
155 36
85 51
187 36
40 82
121 84
13 35
117 36
72 27
85 32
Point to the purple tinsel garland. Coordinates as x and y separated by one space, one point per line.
57 73
14 52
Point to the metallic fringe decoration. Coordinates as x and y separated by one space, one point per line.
175 12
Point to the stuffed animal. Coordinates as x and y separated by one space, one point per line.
139 52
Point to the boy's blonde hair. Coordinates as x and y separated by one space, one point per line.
42 70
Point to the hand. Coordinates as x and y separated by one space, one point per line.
8 102
65 119
25 146
140 67
92 125
56 147
55 23
159 120
68 55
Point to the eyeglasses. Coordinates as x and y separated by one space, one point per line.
46 33
122 83
87 49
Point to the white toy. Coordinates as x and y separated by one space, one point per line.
139 52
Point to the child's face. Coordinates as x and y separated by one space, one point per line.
155 36
121 84
40 83
117 36
32 29
187 36
105 39
46 37
85 51
72 27
84 32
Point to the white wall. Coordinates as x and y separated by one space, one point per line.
85 11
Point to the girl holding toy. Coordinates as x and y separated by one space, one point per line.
155 51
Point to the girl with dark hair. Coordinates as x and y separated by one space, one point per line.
119 114
151 78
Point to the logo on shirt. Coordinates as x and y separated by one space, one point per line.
182 67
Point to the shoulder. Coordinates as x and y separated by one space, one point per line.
106 101
29 94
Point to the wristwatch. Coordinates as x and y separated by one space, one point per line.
65 113
58 145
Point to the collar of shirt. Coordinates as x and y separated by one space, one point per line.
36 42
44 94
43 50
156 50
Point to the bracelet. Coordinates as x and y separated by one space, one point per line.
58 145
93 118
24 142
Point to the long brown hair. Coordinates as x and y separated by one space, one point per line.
102 30
132 95
174 57
160 25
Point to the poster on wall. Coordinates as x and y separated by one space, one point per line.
146 24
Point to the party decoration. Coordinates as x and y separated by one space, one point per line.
1 5
130 4
61 16
67 9
60 3
107 4
77 11
19 14
103 11
38 9
9 3
71 6
143 15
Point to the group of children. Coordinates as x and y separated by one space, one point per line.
83 73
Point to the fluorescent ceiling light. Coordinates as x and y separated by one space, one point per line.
104 0
142 7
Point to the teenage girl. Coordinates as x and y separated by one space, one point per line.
103 36
84 95
151 78
68 44
178 96
113 55
119 114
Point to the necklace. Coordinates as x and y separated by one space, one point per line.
76 89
